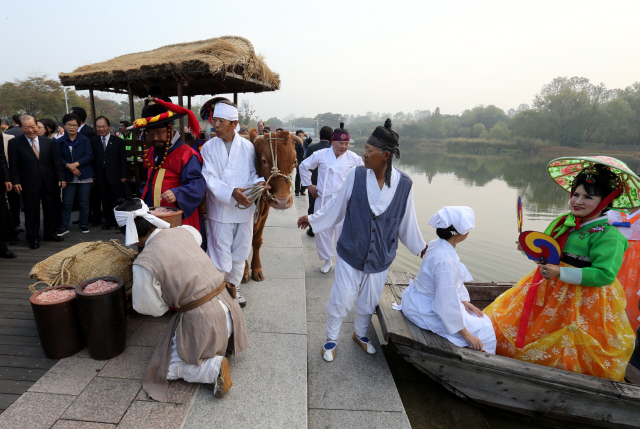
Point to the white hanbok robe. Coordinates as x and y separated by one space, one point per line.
229 228
433 300
349 284
147 299
332 171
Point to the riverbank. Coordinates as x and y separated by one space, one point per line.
517 146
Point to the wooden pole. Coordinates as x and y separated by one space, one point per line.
135 144
181 103
93 108
235 98
189 107
131 107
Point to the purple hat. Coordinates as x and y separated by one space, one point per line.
341 134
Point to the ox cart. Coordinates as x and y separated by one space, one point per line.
545 395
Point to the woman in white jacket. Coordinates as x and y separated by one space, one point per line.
437 299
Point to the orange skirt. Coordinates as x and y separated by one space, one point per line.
577 328
629 278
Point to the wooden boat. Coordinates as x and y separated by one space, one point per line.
546 395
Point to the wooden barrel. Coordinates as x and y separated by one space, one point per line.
103 318
57 324
174 219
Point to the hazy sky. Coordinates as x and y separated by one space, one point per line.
350 56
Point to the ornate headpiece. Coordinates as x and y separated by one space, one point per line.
160 113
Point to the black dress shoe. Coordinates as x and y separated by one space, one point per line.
107 225
96 223
54 238
19 230
34 244
8 255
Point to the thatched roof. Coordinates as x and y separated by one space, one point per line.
215 66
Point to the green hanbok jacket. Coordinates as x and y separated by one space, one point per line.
595 253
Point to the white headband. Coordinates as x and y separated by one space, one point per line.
126 218
225 111
461 217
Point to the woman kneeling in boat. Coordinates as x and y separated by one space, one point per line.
437 299
574 313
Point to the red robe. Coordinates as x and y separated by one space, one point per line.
170 177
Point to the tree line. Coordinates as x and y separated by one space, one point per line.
42 97
567 111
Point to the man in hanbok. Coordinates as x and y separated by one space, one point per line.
172 271
326 134
174 170
229 169
333 164
376 205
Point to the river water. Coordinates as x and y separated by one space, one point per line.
491 185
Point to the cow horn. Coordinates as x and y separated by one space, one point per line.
259 138
296 138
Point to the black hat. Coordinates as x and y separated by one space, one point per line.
152 110
386 134
386 139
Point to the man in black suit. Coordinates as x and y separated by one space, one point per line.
6 220
110 167
36 173
84 129
300 151
326 134
15 129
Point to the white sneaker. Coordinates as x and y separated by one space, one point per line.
326 267
242 301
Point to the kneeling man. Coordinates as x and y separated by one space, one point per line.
173 271
376 204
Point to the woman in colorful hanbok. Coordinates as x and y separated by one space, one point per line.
575 314
437 299
629 275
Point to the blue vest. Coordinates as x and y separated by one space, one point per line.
368 242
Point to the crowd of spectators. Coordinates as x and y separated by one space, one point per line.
52 168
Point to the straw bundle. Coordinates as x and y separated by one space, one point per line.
85 261
184 62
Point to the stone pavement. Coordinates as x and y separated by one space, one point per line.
281 381
270 378
356 389
79 392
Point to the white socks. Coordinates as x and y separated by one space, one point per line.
326 267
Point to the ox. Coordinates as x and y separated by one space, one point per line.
279 196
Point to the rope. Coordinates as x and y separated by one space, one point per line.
33 287
63 275
254 193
